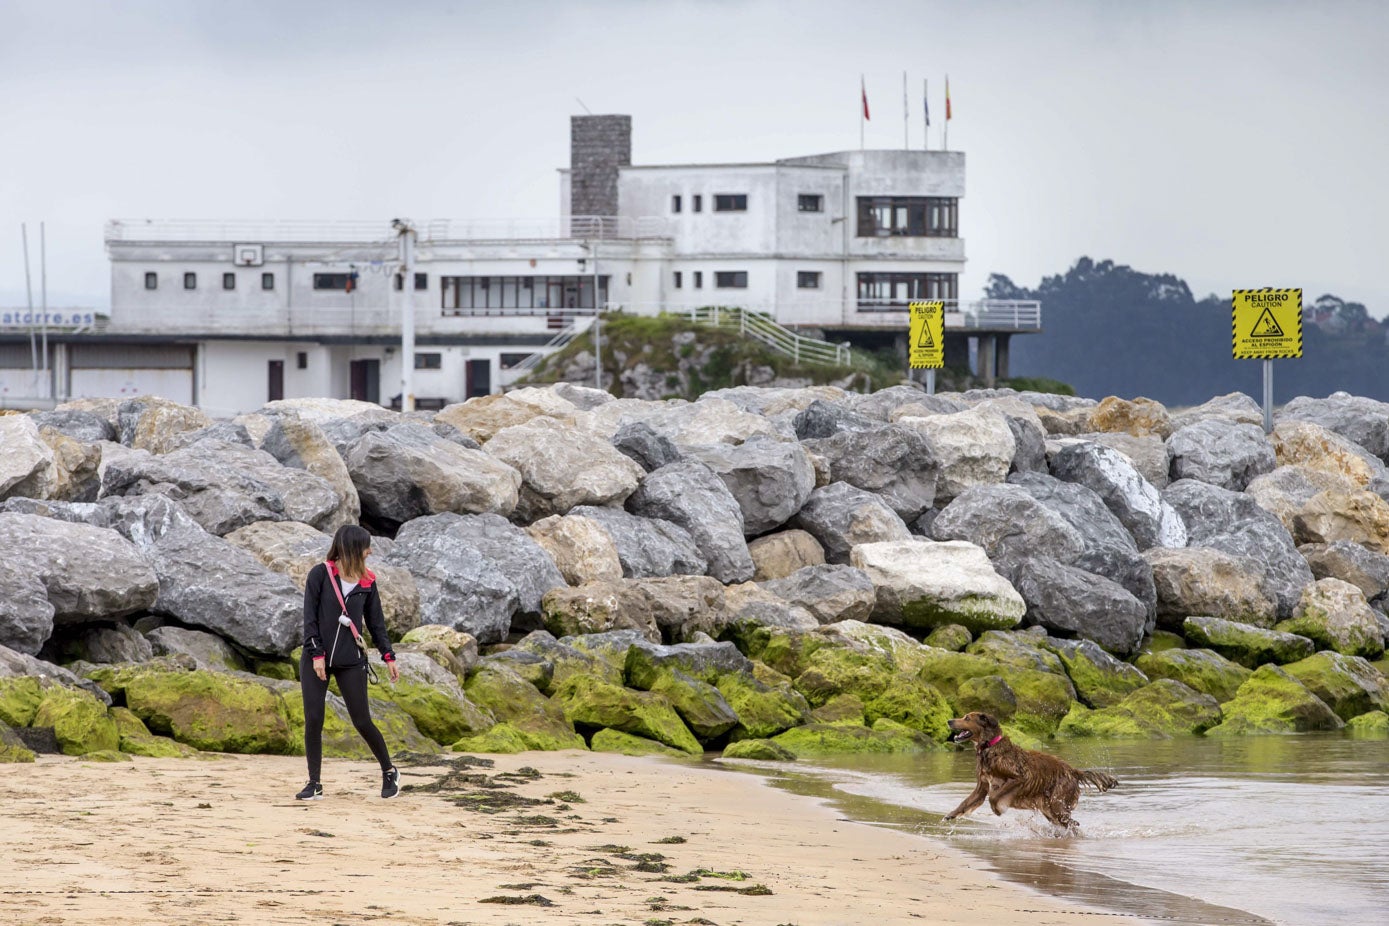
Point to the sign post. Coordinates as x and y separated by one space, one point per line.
1266 324
927 349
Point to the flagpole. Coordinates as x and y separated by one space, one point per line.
947 112
926 112
862 105
906 115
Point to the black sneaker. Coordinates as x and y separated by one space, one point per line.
390 782
313 791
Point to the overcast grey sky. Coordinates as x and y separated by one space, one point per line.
1236 144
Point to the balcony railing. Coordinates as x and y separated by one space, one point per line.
1009 314
583 227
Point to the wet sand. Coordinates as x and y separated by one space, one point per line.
537 838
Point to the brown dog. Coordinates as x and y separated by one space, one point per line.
1009 776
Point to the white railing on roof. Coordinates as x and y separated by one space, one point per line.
292 231
1012 314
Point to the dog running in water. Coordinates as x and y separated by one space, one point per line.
1010 776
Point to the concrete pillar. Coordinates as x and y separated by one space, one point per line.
986 358
1002 364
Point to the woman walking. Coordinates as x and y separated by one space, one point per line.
340 597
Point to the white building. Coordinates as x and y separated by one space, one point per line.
229 315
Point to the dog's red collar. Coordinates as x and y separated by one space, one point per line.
993 741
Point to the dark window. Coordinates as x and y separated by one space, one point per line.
151 280
532 295
275 385
810 202
267 281
229 281
730 202
679 279
301 360
908 217
675 203
731 279
807 279
891 292
697 205
190 281
341 281
429 361
699 279
421 282
507 360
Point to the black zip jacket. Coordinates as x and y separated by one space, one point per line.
323 635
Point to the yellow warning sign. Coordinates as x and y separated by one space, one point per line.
927 335
1267 323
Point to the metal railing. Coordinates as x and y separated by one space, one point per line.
761 327
1013 314
290 231
554 345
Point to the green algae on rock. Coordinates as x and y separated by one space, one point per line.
501 738
1246 644
1100 680
1272 701
1374 724
593 703
761 750
1202 669
79 721
885 736
137 740
511 699
1160 710
1349 685
628 744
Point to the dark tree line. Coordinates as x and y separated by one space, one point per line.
1111 330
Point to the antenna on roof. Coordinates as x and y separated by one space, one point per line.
586 109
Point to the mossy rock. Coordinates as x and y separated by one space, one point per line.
438 713
19 699
1349 685
845 708
1100 680
137 740
1272 701
566 661
1202 669
1158 641
787 651
953 637
281 669
913 704
1043 698
105 755
627 744
1371 725
838 670
511 699
462 645
946 671
12 748
761 750
1246 644
1161 710
502 738
210 711
592 703
763 710
1019 649
987 693
79 721
1341 633
341 739
885 737
703 708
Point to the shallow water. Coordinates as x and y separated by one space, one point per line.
1292 830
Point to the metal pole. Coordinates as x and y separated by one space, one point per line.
597 317
43 306
931 382
1268 396
407 315
29 291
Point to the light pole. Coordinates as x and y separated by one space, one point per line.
406 231
597 318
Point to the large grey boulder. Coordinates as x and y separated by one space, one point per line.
1006 519
1134 500
825 419
88 574
1364 421
409 472
648 547
1108 549
1068 600
580 547
207 650
86 427
1029 435
841 517
639 442
14 664
28 617
881 404
114 643
1349 562
771 479
302 444
1289 490
831 593
920 583
1147 452
1246 644
689 494
1225 454
1235 523
895 463
153 423
1206 581
1335 616
224 486
971 448
26 462
563 467
1234 407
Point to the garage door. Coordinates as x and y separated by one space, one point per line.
17 377
124 370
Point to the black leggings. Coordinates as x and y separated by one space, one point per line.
352 682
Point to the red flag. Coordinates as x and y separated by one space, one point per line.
864 90
947 97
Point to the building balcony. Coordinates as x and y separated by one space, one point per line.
436 231
1020 315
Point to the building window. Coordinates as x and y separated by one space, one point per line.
267 281
697 204
151 280
430 361
229 281
506 360
421 282
190 280
675 203
699 279
807 279
346 282
810 202
679 279
730 202
528 295
908 217
891 292
731 279
301 360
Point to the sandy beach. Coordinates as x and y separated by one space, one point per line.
609 839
